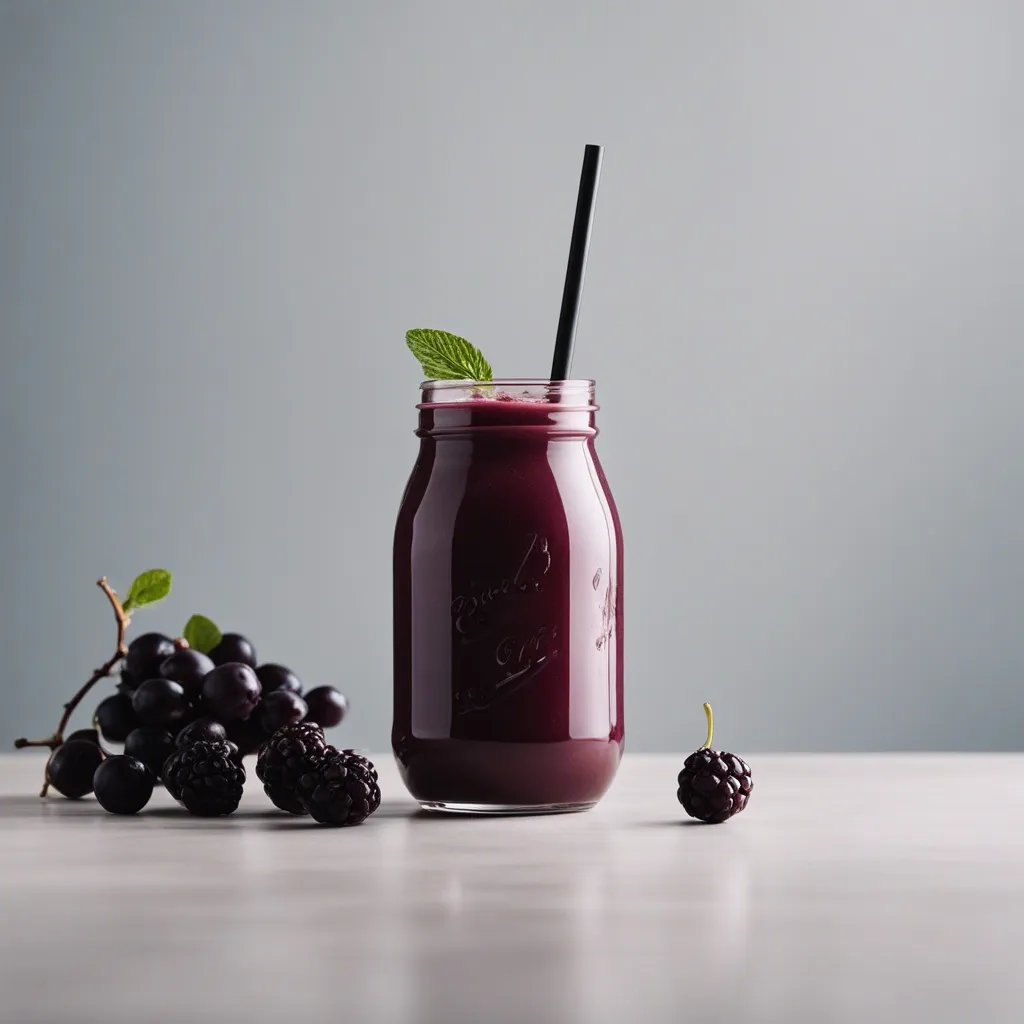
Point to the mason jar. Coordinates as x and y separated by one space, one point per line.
507 602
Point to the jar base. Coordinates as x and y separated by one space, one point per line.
509 810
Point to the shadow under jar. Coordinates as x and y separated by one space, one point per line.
507 603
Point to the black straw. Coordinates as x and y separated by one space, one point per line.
577 266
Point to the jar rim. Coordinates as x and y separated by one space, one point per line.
571 382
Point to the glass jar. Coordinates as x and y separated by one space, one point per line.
507 603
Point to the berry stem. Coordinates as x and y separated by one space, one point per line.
711 726
57 738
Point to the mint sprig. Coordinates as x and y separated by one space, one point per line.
445 356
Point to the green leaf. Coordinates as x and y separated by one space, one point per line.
202 634
150 586
445 356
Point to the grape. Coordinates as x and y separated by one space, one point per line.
201 729
89 735
247 736
231 691
116 717
234 647
281 707
151 745
71 766
128 681
145 653
277 677
160 702
327 706
123 784
187 667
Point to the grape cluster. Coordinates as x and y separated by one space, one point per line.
187 719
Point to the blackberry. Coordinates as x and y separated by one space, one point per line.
293 751
341 790
714 786
204 779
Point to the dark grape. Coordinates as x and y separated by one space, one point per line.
123 784
145 653
160 702
280 708
277 677
71 767
248 736
89 735
116 717
234 647
187 667
151 745
208 729
327 706
231 691
128 681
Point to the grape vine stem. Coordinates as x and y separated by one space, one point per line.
55 740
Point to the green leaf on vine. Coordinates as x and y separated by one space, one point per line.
202 634
152 585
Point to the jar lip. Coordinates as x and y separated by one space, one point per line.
572 382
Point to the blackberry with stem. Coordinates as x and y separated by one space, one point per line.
714 786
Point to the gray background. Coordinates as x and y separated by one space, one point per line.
803 310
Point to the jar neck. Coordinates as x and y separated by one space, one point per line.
526 409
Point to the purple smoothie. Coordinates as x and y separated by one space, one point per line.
508 603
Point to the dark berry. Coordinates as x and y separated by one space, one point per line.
208 729
123 784
151 745
160 702
89 735
327 706
128 682
145 654
277 677
116 717
231 691
234 647
204 778
71 767
281 708
189 668
288 755
247 734
713 787
341 789
233 752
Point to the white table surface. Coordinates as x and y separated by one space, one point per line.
854 888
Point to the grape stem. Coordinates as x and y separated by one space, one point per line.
54 741
711 726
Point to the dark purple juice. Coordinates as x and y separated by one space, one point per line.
508 603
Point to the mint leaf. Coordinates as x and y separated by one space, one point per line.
445 356
201 633
147 587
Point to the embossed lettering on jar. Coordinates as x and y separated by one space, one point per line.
508 602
